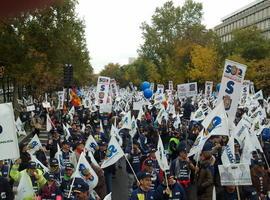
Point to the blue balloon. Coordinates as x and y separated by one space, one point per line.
266 134
218 87
147 93
145 85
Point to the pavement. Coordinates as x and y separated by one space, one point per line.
120 183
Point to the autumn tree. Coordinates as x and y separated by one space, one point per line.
36 45
204 64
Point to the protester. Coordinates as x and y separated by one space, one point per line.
144 189
174 191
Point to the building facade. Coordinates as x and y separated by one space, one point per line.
256 13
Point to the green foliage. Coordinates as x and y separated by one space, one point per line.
35 46
249 43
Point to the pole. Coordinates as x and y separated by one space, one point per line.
131 169
71 186
238 193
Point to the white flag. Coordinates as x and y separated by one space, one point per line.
127 120
115 132
247 150
34 144
8 137
72 111
228 156
198 115
133 130
258 95
20 127
161 156
161 114
83 128
114 153
91 144
48 123
216 122
25 189
59 156
83 165
66 131
256 127
177 121
198 144
108 196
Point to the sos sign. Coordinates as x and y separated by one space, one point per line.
235 73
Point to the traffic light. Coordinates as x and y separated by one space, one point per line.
68 75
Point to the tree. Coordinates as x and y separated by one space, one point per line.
111 70
36 45
169 24
249 43
204 64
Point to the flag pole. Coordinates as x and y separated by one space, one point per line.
71 186
131 168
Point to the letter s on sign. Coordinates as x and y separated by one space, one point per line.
229 88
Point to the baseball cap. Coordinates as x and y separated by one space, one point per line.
65 142
102 143
69 166
50 176
54 162
142 175
80 186
31 165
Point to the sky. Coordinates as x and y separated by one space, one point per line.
113 31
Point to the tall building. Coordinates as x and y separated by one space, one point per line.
256 13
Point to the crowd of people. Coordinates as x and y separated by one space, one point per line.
188 177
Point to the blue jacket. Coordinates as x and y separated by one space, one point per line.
178 192
147 195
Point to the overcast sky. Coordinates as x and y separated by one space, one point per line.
113 26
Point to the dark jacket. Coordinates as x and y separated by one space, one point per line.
205 181
6 192
139 192
177 192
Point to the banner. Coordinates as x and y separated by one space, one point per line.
30 108
8 138
208 89
102 90
231 85
113 88
244 92
61 99
235 174
107 107
187 90
170 85
160 89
